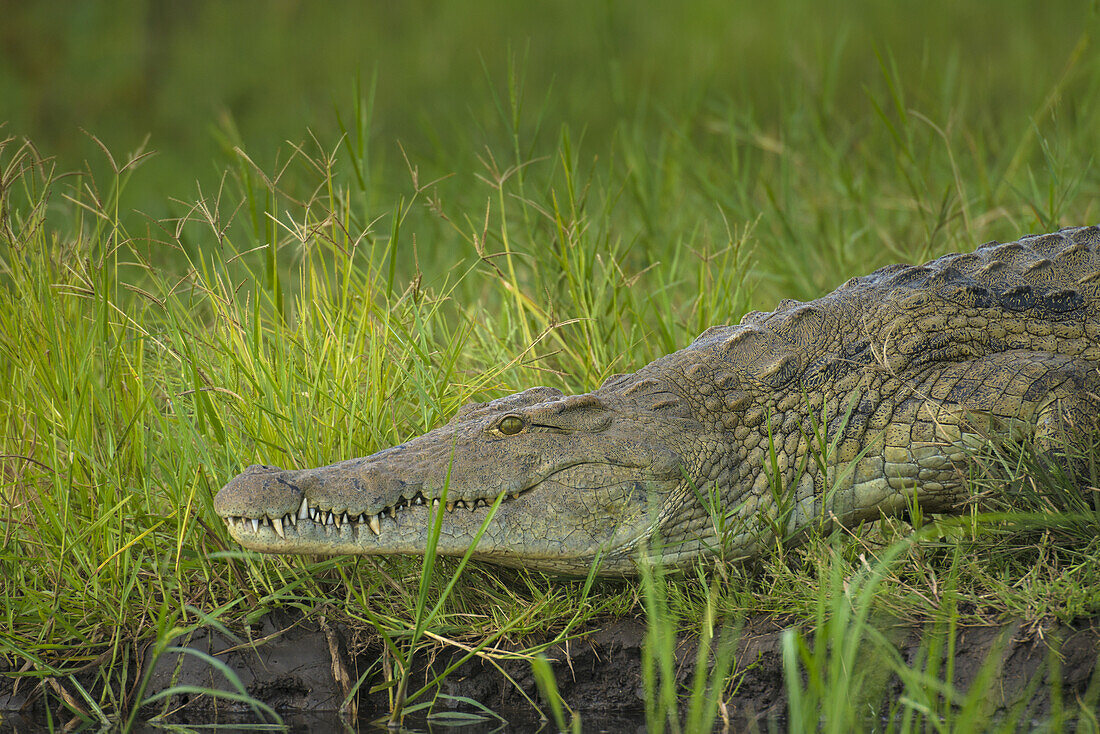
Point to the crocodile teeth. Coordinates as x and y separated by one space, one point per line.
323 517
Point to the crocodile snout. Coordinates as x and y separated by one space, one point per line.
260 490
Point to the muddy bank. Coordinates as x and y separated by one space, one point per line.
298 663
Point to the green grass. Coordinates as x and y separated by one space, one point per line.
343 299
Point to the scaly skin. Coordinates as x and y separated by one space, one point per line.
904 369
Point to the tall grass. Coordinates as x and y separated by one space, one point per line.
301 312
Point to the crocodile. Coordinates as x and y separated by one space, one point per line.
865 403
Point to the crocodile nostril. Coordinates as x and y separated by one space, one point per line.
259 490
260 469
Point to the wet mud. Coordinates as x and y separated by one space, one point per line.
306 664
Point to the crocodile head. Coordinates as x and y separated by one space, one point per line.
555 480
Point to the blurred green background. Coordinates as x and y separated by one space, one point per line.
197 76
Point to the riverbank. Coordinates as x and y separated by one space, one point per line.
305 663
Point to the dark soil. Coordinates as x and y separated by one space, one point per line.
306 664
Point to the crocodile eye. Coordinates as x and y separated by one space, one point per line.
510 425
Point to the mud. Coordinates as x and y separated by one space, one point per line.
305 664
